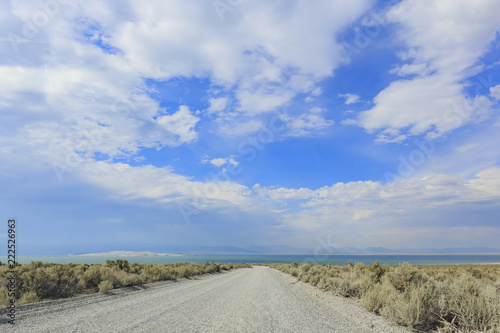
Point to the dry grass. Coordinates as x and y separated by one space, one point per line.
42 281
444 298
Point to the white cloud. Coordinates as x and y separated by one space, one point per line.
431 202
233 162
422 104
445 42
162 185
255 102
219 162
181 123
316 109
350 98
388 135
237 128
435 203
283 193
317 91
419 69
74 85
266 63
307 123
362 214
217 104
495 92
466 147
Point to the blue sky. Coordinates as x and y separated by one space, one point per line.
175 125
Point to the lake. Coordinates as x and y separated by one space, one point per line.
341 259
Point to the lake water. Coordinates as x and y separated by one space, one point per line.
323 259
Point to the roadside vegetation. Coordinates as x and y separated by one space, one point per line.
444 298
44 281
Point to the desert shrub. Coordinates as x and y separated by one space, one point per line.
210 267
376 297
29 297
476 307
4 296
183 272
409 308
377 271
135 268
227 267
67 280
105 286
44 284
151 273
306 267
314 280
122 265
403 276
92 276
349 288
129 280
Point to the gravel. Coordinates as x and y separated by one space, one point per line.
256 299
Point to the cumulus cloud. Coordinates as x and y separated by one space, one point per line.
231 127
432 203
181 123
266 64
495 92
163 185
362 214
218 162
217 104
443 45
307 123
349 98
85 68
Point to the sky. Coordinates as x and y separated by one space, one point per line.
179 125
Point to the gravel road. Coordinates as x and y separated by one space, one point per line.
256 299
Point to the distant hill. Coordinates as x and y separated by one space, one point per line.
128 254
